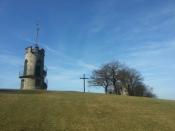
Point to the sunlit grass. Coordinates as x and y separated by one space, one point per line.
67 111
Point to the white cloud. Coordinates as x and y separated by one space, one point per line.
163 50
86 65
11 59
68 60
50 49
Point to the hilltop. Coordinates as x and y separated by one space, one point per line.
73 111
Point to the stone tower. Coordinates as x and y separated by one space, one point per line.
33 75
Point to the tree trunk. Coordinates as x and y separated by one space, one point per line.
106 90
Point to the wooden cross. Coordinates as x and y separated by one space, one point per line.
84 82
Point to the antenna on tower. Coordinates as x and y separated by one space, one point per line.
37 35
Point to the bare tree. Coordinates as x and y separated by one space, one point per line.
114 68
139 89
122 79
100 77
107 76
148 92
124 75
134 79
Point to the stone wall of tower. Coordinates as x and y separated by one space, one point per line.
33 69
31 58
29 84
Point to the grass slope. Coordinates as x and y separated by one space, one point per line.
70 111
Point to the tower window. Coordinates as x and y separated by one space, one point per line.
25 67
38 68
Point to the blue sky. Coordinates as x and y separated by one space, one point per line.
80 35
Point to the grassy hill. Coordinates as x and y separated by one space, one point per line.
71 111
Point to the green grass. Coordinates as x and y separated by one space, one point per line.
71 111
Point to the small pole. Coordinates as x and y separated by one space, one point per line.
37 35
84 82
